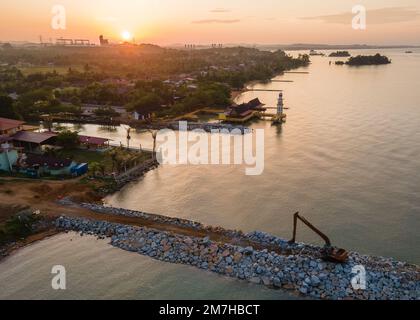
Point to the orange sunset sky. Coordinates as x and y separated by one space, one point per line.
167 22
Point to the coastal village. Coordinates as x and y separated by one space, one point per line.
54 179
22 151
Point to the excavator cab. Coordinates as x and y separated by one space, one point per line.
329 253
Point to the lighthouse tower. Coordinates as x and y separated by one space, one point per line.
280 104
279 117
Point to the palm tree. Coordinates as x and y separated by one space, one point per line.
95 167
128 130
47 121
113 153
102 169
154 135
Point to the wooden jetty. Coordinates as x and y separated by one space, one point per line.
297 72
269 90
275 80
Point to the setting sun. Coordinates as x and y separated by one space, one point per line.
126 35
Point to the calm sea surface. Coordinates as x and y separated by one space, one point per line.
96 270
348 158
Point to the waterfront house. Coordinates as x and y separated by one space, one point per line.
32 141
94 143
9 127
146 113
21 138
242 112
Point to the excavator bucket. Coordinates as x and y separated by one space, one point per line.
336 255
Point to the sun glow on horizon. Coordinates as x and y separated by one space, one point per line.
204 22
126 35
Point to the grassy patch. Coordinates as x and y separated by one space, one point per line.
104 158
86 156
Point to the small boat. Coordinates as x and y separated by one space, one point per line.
409 52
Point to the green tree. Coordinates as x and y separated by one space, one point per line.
97 167
106 112
147 103
68 139
7 108
113 154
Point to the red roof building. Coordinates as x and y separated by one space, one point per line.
10 126
93 142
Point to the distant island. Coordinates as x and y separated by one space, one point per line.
368 60
340 54
315 53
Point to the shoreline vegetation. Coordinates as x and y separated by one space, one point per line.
157 83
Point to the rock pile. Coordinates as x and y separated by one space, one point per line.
302 272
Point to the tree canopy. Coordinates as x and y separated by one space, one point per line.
368 60
68 139
7 108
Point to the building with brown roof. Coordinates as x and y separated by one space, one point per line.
32 141
243 112
10 126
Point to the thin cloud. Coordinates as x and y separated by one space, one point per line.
220 10
220 21
375 16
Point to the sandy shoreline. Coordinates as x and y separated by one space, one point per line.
9 250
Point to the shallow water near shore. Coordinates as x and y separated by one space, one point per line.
96 270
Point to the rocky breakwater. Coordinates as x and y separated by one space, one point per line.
155 218
304 273
134 173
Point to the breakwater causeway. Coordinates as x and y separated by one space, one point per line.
256 257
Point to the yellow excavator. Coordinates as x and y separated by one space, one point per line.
329 253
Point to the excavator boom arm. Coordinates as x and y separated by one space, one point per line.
311 226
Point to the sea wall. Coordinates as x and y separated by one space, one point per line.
155 218
304 273
134 173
